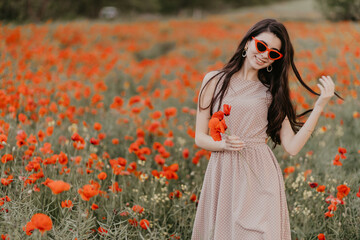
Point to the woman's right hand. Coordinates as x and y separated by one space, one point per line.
232 143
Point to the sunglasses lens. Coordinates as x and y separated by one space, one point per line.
274 54
261 47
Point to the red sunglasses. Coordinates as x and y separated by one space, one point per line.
261 47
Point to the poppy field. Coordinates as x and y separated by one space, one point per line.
97 126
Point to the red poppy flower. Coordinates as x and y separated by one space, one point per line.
6 158
321 236
97 126
102 231
336 161
144 224
7 181
321 188
341 150
137 208
88 191
57 186
66 204
170 112
38 221
185 153
343 191
216 127
227 109
94 141
193 197
115 188
102 176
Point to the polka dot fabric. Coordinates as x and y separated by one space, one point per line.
243 194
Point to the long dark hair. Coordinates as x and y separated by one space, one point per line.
276 80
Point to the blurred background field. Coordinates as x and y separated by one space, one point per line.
43 10
108 107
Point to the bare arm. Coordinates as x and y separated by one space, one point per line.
293 143
202 137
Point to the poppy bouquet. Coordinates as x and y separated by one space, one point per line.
217 123
217 126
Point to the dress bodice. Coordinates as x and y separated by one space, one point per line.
249 101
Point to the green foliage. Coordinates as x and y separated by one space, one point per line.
39 10
42 10
156 51
337 10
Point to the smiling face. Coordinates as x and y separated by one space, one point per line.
261 60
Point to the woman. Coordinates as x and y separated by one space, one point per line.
243 195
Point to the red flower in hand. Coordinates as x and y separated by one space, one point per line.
227 109
221 126
217 123
219 115
217 126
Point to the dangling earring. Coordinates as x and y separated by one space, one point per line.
269 70
244 52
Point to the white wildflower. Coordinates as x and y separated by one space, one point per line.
73 128
339 131
306 211
141 162
181 141
93 149
322 143
307 194
294 185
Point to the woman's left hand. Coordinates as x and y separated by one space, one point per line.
327 91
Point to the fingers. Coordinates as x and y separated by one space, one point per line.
327 87
237 143
234 143
234 148
321 88
331 83
324 84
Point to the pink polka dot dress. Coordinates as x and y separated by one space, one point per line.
243 193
